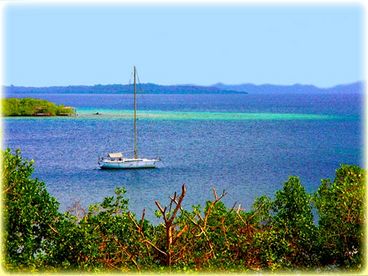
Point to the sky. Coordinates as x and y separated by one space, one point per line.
85 44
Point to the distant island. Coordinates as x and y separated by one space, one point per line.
151 88
145 88
34 107
356 87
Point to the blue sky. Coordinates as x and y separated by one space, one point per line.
49 45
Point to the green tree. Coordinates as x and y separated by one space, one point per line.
340 206
30 213
294 218
287 236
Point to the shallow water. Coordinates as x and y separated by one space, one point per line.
97 113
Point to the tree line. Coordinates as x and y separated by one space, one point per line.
277 234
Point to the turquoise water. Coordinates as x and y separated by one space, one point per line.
245 144
174 115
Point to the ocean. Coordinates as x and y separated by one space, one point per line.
247 145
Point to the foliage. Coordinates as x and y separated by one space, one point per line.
276 234
30 213
105 237
341 216
33 107
289 233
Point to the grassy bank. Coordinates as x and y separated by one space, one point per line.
34 107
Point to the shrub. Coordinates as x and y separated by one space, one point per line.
32 107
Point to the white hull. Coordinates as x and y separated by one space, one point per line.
128 163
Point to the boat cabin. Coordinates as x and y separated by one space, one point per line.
115 156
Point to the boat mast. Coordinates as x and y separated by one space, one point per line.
135 116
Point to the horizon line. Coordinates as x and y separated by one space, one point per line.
189 84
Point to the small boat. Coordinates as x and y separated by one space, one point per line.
116 160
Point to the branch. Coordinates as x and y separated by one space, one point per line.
53 229
122 247
171 202
178 203
142 218
203 231
162 210
217 199
233 208
155 247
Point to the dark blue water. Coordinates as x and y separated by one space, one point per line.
247 158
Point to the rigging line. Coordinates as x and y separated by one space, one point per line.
140 88
140 85
136 113
129 83
130 79
137 86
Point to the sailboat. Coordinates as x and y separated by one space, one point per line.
116 160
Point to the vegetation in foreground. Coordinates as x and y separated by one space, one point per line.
278 234
33 107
